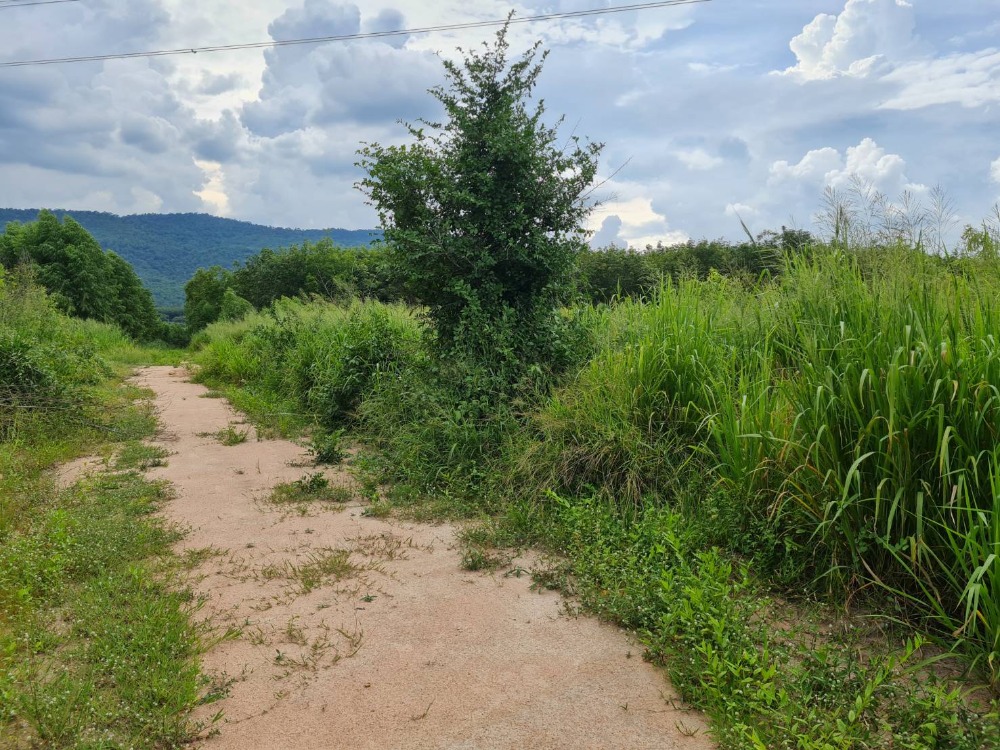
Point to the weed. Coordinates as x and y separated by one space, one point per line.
308 489
319 567
140 456
326 448
382 546
354 640
478 558
230 435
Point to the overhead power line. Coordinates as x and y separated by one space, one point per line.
350 37
9 5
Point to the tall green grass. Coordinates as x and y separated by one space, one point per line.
849 413
297 363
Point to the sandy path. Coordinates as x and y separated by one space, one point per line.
402 650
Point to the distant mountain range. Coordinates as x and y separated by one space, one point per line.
166 249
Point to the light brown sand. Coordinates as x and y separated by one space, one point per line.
408 650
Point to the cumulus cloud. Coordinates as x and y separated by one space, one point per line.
609 234
388 19
213 84
970 80
636 221
828 167
372 82
995 171
814 166
859 41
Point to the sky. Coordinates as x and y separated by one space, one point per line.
712 114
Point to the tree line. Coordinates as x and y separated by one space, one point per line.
83 279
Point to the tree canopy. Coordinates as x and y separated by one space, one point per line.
483 211
83 279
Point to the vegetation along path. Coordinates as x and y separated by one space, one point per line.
358 632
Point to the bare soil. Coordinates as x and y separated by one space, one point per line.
357 632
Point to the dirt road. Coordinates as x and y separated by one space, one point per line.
358 632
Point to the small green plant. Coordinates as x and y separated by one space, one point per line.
140 456
326 447
478 558
310 488
230 435
319 567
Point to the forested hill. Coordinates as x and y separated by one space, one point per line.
166 249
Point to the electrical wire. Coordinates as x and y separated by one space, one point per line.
349 37
9 5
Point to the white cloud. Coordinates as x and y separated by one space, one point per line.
609 234
698 159
865 36
969 80
827 167
213 194
995 171
633 220
814 166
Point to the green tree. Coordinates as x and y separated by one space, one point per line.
483 212
234 307
312 268
203 295
83 279
615 272
134 309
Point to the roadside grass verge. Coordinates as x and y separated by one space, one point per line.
769 673
96 646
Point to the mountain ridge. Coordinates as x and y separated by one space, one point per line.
167 248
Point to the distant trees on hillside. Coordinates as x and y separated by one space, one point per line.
312 268
166 249
84 280
337 273
606 273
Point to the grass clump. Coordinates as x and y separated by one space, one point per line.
319 567
140 456
230 435
327 447
309 488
